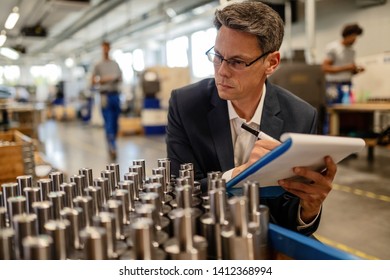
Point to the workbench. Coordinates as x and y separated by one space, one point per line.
373 109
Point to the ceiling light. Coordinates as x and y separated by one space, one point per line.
3 37
12 18
10 53
69 62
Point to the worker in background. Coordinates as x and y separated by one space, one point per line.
204 119
339 64
108 76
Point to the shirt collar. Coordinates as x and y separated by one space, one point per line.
257 115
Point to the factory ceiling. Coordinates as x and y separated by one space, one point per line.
55 29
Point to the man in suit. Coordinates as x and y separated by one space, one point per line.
204 118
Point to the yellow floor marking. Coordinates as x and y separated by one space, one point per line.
360 192
345 248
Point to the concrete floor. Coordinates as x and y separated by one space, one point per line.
356 214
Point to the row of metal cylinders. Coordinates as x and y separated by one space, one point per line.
159 217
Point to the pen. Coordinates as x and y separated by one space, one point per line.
258 134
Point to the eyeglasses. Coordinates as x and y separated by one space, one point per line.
235 64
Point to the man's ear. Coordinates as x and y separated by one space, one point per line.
273 62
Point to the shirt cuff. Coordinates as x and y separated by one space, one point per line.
302 224
227 175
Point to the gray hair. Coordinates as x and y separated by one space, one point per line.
255 18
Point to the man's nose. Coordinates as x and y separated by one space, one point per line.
224 69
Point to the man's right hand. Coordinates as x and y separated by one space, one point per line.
260 148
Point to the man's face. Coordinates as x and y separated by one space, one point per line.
105 48
237 85
350 39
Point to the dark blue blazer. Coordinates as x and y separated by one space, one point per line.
198 132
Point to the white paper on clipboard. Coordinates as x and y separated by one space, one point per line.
306 150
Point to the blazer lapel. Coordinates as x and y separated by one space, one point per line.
270 111
218 118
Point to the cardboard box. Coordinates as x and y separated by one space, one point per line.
16 156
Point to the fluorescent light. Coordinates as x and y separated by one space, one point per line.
10 53
12 18
3 37
69 62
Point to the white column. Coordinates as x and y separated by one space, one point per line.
310 18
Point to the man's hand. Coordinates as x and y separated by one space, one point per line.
260 148
311 194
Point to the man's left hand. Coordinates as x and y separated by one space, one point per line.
313 192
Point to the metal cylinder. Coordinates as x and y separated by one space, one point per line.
163 172
45 186
74 216
1 198
114 167
24 225
210 177
9 190
103 184
185 245
260 233
32 195
211 223
88 175
264 222
59 232
137 169
69 190
155 188
184 196
38 247
183 229
149 211
79 181
43 211
106 220
165 197
24 181
3 217
7 251
142 163
129 187
239 214
16 205
187 173
142 237
238 240
95 243
85 203
166 163
154 199
134 177
96 194
110 175
251 192
57 178
114 207
57 200
218 205
186 166
122 195
159 179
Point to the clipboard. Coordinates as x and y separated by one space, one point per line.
297 149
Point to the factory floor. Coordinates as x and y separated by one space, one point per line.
356 214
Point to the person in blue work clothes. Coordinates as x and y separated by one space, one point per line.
108 76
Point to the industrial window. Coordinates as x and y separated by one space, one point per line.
177 52
201 41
